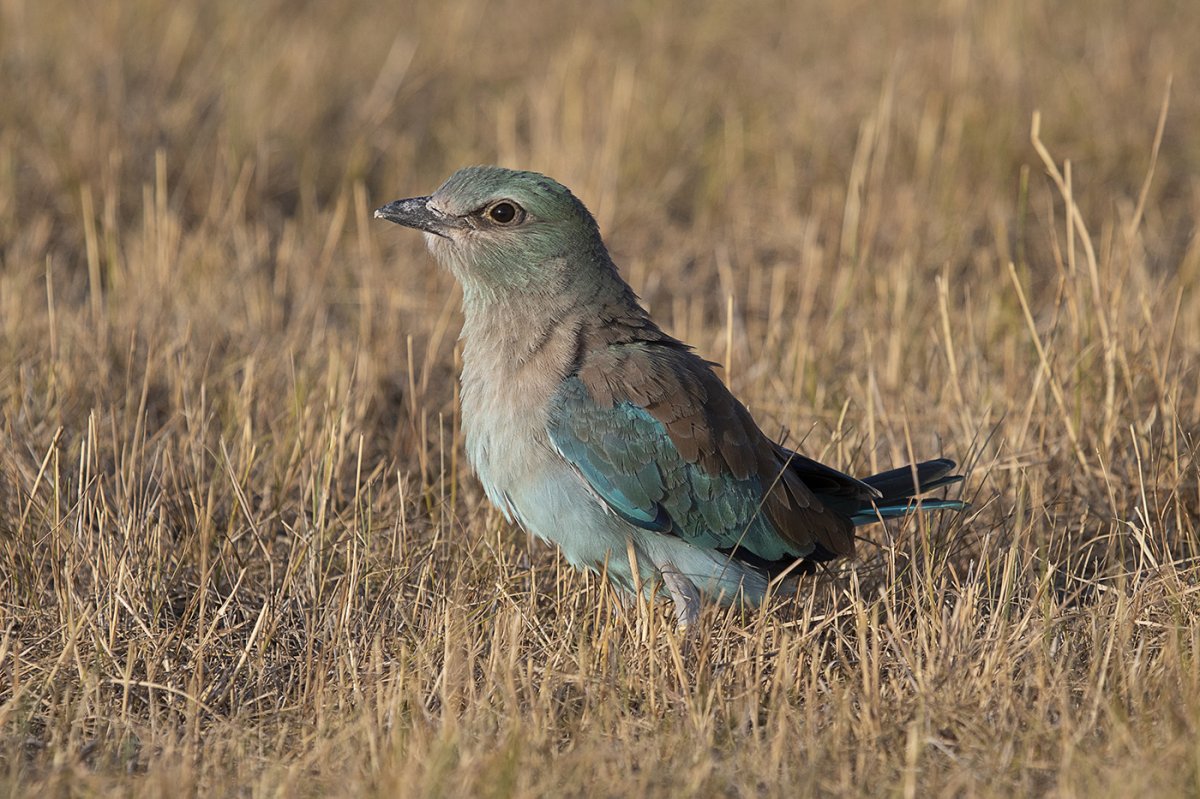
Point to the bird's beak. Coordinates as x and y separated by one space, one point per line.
416 212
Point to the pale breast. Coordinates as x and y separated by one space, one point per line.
505 436
507 384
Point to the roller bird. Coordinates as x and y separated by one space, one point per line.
592 428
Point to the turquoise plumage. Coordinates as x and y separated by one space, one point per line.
628 458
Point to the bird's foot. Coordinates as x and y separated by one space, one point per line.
684 595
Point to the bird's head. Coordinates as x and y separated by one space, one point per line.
503 232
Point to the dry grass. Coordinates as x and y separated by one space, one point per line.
240 552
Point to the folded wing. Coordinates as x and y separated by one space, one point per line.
663 443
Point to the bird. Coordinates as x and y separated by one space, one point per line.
593 429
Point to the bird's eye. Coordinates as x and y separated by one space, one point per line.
505 212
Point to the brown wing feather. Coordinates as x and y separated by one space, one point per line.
708 426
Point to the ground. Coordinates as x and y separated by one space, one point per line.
241 552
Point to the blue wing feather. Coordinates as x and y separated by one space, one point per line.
630 462
628 495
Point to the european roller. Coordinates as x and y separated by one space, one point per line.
592 428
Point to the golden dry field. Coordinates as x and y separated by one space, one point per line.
241 553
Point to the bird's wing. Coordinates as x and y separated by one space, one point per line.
664 444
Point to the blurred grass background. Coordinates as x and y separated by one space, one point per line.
239 550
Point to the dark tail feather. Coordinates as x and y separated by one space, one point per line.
898 483
898 490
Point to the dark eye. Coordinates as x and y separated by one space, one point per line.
505 212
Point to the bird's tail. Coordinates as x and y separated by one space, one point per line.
899 488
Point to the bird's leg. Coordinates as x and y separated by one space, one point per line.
683 593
